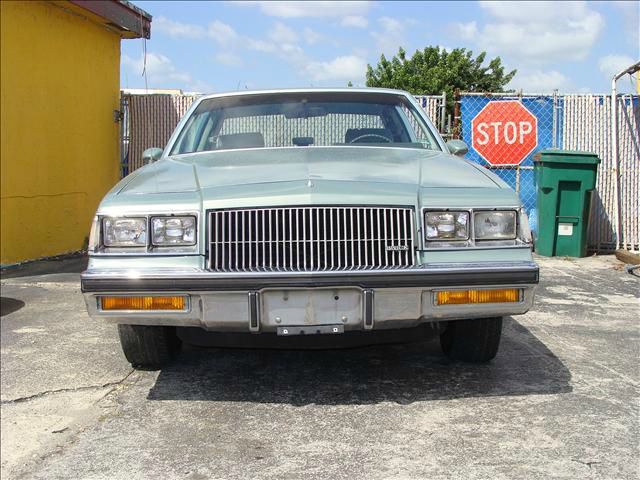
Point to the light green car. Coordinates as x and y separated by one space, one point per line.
301 212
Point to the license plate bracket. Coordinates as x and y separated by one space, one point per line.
310 330
310 307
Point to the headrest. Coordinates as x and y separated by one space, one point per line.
241 140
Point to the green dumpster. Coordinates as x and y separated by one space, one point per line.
564 183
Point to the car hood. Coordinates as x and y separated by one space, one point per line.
270 168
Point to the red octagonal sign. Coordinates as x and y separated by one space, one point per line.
504 132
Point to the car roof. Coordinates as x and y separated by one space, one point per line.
352 90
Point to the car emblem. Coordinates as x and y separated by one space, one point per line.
397 248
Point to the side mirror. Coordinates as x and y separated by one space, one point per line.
151 155
457 147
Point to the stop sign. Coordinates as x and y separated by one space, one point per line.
504 132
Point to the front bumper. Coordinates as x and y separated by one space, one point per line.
267 301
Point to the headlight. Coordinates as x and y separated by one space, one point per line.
495 225
167 231
446 226
124 232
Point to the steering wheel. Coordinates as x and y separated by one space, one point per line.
373 135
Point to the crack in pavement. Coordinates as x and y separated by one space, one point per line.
70 433
67 390
588 464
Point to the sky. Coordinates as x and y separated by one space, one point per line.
575 47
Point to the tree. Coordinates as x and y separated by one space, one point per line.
433 70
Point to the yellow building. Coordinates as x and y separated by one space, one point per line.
60 79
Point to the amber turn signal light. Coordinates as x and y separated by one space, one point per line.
461 297
143 303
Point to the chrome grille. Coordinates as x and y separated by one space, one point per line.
310 238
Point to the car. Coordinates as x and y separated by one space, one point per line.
309 211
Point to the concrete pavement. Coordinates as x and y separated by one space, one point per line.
560 400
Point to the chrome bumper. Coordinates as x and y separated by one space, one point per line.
266 301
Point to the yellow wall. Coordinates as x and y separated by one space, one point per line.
59 145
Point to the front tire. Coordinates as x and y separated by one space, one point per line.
148 347
474 340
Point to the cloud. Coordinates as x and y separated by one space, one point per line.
550 11
293 9
229 59
259 45
222 33
349 67
630 12
541 82
281 41
292 53
291 48
356 21
610 65
536 32
311 36
466 31
280 33
391 35
157 67
162 73
177 29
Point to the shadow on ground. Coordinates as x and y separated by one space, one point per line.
72 263
9 305
400 373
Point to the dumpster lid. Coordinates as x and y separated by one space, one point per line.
566 156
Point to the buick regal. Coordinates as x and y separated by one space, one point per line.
304 212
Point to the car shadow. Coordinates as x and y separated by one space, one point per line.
400 373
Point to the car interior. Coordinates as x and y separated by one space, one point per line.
297 123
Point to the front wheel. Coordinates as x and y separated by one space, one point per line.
148 347
474 340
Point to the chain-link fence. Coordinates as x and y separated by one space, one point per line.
435 106
508 130
587 125
148 121
505 131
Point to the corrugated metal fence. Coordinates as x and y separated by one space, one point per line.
575 122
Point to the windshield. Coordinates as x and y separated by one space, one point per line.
303 120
